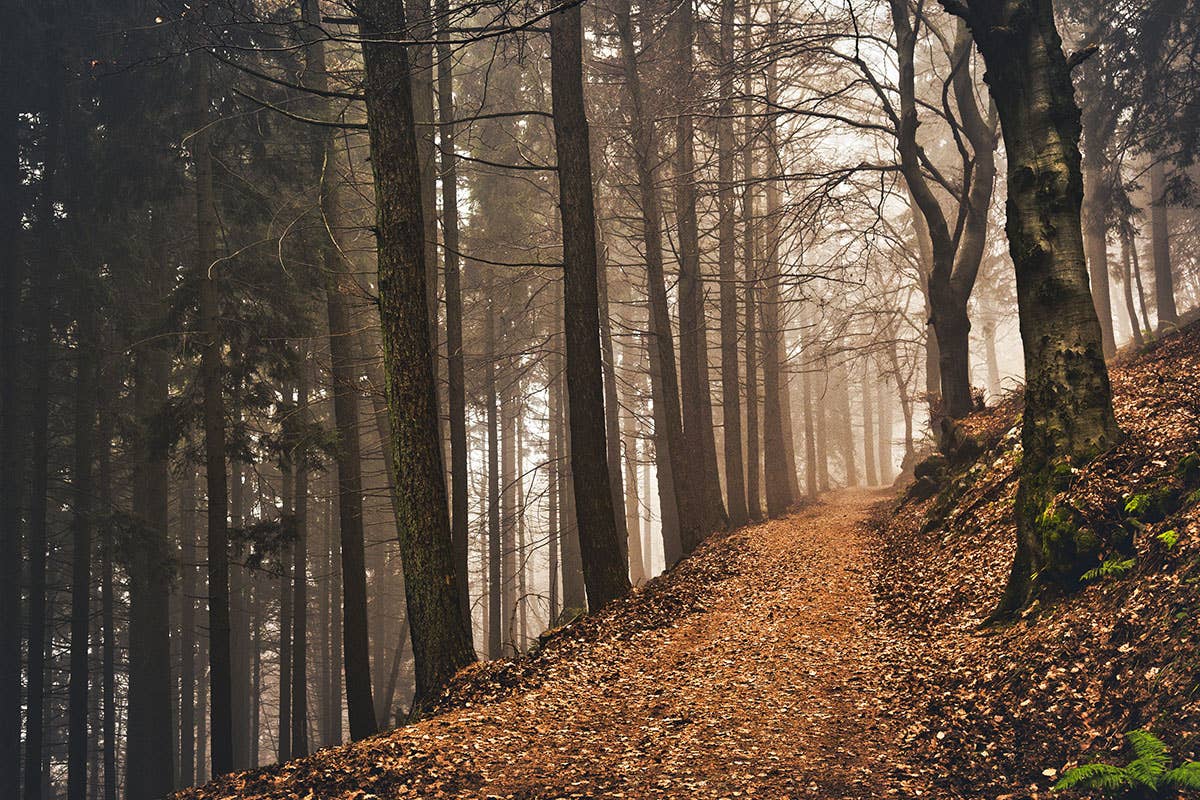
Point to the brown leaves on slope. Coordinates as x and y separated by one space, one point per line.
999 713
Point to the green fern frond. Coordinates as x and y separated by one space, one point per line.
1093 776
1148 771
1111 568
1146 745
1186 776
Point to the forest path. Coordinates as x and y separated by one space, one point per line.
767 685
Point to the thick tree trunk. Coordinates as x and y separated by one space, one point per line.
676 488
1068 415
441 640
731 407
605 572
1095 241
420 25
1160 233
693 337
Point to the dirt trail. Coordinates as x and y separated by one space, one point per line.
767 689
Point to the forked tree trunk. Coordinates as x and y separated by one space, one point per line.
605 572
1095 242
441 640
1135 324
1068 415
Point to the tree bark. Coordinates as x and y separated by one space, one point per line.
605 572
459 492
693 338
1160 235
495 545
299 671
1135 324
1068 416
441 640
731 407
1096 202
676 489
81 543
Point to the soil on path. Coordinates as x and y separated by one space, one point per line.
768 685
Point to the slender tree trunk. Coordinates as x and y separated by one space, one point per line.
693 340
46 271
554 457
677 491
868 426
990 357
810 438
508 503
638 570
612 403
776 462
108 679
1095 242
574 591
12 476
219 655
495 545
1160 233
731 407
749 227
239 615
287 476
187 633
605 572
81 543
441 640
1135 324
845 423
299 671
1068 416
459 494
883 412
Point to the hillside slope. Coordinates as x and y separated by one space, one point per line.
837 653
999 713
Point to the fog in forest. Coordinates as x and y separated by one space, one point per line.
346 343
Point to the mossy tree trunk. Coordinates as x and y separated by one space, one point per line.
1068 404
441 640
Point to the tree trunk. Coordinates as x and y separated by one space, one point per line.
420 25
12 476
1160 233
459 492
441 640
868 425
190 555
299 671
776 463
574 591
1095 242
495 545
1135 324
693 338
220 677
845 423
554 459
731 407
46 270
287 477
675 486
1068 416
612 403
605 572
749 228
81 543
509 410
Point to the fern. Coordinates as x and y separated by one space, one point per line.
1093 776
1111 568
1169 538
1149 771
